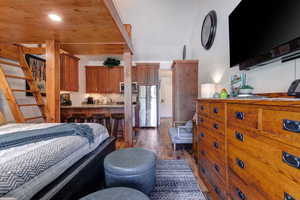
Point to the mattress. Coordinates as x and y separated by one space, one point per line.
26 169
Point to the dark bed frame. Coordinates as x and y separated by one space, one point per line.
84 177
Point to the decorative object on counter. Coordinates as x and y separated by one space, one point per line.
224 94
208 90
209 29
90 100
216 95
111 62
246 89
65 99
236 83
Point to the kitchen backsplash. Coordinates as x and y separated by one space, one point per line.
79 98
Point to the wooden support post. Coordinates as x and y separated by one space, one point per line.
127 58
53 80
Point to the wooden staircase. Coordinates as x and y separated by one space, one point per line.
9 92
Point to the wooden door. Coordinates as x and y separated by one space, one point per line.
73 81
115 76
103 80
92 79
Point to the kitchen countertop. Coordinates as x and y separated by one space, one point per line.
96 106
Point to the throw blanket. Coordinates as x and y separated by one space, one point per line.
25 137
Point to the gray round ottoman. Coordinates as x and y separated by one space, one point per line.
117 193
133 167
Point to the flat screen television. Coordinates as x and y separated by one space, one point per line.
262 31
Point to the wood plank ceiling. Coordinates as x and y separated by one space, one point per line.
87 26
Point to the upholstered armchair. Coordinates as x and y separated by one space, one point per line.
181 133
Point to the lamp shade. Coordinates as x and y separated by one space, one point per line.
208 90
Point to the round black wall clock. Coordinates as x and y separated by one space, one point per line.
209 28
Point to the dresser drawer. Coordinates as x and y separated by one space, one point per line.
268 166
282 125
216 163
215 186
217 111
243 115
216 126
204 121
240 190
203 108
213 143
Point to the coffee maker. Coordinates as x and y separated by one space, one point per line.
65 99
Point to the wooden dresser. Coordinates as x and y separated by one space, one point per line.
249 149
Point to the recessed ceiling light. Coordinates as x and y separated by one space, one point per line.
55 17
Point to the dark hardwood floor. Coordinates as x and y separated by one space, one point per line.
158 141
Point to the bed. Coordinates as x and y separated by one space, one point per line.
52 161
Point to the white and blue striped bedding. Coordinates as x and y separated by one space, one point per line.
26 169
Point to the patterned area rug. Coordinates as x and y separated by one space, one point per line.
175 181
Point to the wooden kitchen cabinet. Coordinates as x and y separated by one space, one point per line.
115 76
69 73
91 79
147 73
103 80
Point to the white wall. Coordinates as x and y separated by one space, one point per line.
160 29
214 64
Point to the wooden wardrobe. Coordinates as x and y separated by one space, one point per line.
185 89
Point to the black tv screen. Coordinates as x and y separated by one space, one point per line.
262 30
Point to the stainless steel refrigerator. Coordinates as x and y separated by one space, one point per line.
148 106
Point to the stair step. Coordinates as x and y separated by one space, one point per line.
19 90
33 118
28 105
18 77
10 64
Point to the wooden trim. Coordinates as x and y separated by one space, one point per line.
127 58
184 62
53 80
275 95
116 18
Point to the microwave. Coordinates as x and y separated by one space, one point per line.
134 87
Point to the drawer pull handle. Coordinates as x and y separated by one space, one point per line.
291 160
202 108
202 135
203 153
288 197
239 136
240 163
216 110
203 170
292 126
216 145
217 190
216 126
240 115
241 195
217 168
201 120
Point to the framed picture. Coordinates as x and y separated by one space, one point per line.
38 67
